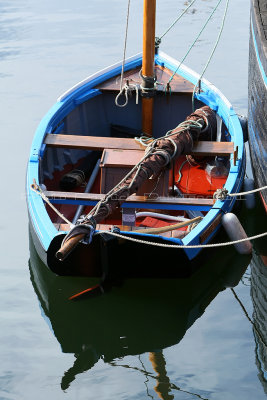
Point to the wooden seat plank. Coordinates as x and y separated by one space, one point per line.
91 142
100 143
95 197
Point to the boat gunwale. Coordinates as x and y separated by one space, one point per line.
66 103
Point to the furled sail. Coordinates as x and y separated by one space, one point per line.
201 124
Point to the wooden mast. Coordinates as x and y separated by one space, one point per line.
148 65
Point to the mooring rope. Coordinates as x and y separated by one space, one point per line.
37 189
178 246
222 194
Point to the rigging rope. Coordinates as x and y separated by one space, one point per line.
211 54
123 61
194 42
177 19
149 149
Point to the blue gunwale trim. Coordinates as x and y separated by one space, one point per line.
43 226
263 74
210 96
81 88
130 204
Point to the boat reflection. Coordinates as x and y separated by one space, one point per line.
259 300
140 316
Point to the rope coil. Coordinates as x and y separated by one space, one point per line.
127 88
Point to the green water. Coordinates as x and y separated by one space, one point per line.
182 339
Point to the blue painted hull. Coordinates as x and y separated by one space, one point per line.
42 227
257 94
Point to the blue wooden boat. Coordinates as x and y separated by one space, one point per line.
86 139
257 94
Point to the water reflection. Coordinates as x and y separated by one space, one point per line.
141 316
259 300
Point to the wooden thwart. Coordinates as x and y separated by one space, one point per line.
101 143
133 199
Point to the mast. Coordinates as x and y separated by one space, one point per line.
148 65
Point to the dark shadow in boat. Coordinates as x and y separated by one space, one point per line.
143 315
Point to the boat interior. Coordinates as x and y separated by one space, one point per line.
98 142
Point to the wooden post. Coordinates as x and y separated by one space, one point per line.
148 63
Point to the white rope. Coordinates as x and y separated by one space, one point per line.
178 246
125 43
248 192
37 189
221 194
126 87
161 216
